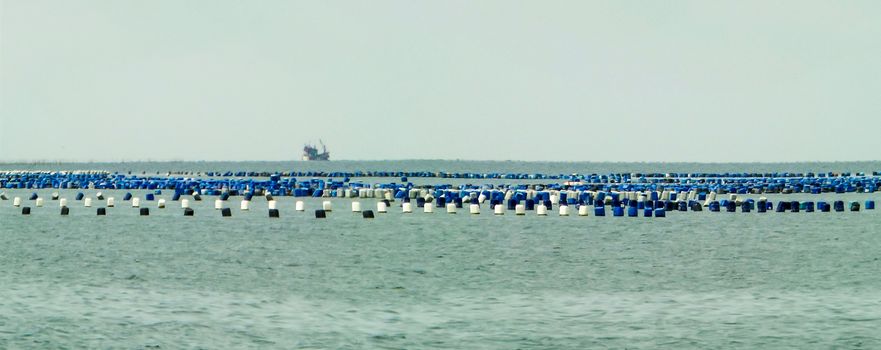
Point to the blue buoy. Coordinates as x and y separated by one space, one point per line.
175 196
714 206
794 206
870 205
79 196
854 206
34 196
127 197
530 204
745 207
599 211
683 206
660 213
617 211
838 206
647 212
150 197
632 212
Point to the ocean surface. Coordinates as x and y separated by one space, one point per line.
436 281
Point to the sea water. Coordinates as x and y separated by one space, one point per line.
426 281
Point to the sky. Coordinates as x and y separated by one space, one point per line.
701 81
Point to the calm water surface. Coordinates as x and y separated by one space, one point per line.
422 281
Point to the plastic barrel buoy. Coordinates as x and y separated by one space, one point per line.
101 211
320 213
300 206
189 211
246 205
136 202
26 211
367 214
111 202
225 212
428 207
16 202
87 202
273 213
65 210
145 211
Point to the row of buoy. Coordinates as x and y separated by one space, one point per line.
648 209
454 175
277 185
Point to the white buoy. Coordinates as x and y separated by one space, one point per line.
555 199
136 202
499 209
39 202
732 197
520 209
428 208
300 206
564 210
407 207
541 210
184 203
474 209
87 202
218 204
481 198
381 207
160 203
246 204
327 206
451 208
111 203
272 204
16 202
356 206
582 210
62 202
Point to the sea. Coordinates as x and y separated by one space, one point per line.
435 281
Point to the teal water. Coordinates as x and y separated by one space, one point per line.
425 281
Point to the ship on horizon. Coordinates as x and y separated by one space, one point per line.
310 152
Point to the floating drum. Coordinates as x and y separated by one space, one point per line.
407 207
99 196
218 204
188 211
660 213
870 205
246 205
428 208
225 212
367 214
582 210
65 210
102 211
632 212
161 204
197 197
3 196
26 211
618 211
520 209
185 203
273 213
451 208
110 202
838 206
16 202
150 197
300 206
541 210
474 209
745 207
136 202
647 212
145 211
62 202
854 206
34 196
80 196
326 206
498 210
320 213
54 196
128 196
599 211
381 207
356 206
564 210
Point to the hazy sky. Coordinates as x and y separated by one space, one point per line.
528 80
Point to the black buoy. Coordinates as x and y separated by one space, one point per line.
145 211
65 210
102 211
268 197
273 213
25 210
226 212
320 214
189 212
854 206
367 214
197 197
